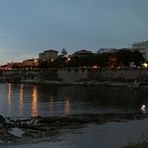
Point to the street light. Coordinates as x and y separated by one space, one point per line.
68 59
52 60
145 64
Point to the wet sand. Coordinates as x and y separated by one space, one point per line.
87 130
109 135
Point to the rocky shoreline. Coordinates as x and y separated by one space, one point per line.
16 131
132 84
143 144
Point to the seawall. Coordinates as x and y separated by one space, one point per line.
78 75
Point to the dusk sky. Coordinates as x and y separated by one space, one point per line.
28 27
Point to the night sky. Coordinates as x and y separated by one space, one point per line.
28 27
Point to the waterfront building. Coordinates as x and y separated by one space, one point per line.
30 63
142 47
107 50
5 67
82 53
14 65
48 55
104 50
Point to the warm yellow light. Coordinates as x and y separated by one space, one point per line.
52 60
95 67
9 97
21 97
68 59
143 109
145 64
34 101
67 106
35 61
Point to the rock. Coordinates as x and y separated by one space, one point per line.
1 126
16 132
1 141
2 119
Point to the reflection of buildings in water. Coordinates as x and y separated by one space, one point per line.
50 103
21 101
9 97
34 101
67 106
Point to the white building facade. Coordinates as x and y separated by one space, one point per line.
142 47
48 55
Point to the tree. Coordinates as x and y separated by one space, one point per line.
64 52
102 59
43 64
124 57
137 57
61 61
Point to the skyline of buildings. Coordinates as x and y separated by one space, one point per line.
52 54
29 27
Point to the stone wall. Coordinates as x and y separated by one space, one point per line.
74 75
121 75
114 75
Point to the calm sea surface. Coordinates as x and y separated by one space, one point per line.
19 100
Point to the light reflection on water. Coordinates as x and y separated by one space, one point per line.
9 97
21 101
50 104
35 100
67 106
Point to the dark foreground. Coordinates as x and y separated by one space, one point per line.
143 144
42 127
